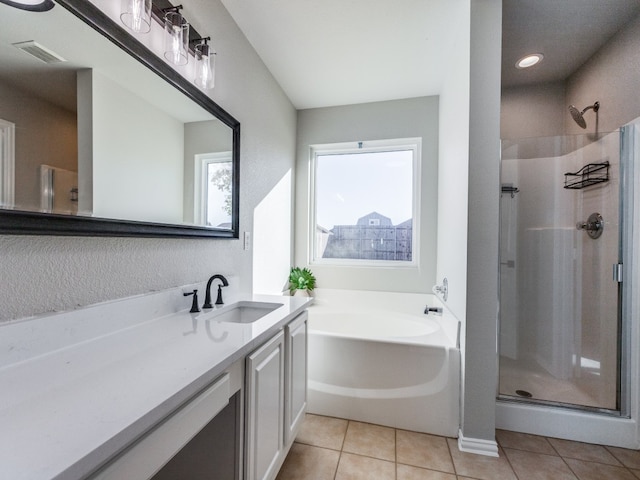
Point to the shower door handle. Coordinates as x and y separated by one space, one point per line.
617 272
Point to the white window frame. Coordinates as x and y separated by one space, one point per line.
7 163
201 162
374 146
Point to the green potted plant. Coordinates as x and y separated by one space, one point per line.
301 281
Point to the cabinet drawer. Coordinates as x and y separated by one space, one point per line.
151 452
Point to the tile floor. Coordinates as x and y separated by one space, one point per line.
335 449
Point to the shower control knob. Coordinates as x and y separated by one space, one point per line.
593 226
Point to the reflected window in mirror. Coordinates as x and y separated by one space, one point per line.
213 175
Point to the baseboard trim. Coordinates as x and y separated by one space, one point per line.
478 446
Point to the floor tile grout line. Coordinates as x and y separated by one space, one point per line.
453 463
611 452
344 436
395 451
621 466
569 467
624 467
506 457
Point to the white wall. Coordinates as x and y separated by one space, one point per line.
42 274
407 118
138 157
453 168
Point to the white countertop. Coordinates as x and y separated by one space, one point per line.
77 387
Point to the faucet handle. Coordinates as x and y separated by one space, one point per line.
194 304
219 299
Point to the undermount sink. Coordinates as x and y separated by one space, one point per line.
243 312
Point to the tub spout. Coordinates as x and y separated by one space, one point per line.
433 310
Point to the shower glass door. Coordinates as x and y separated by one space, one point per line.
559 240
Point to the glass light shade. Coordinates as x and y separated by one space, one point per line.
205 66
136 15
176 46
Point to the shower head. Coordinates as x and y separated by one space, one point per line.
578 116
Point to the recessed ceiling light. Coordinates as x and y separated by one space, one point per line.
529 60
31 5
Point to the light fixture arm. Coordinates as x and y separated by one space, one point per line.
175 9
202 40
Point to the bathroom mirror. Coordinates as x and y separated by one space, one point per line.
99 136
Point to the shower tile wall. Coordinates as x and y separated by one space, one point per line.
558 302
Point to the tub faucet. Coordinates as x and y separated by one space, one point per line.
207 298
434 310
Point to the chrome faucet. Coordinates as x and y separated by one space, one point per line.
207 298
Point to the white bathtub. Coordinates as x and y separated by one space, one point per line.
376 357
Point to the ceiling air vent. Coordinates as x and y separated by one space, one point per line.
41 53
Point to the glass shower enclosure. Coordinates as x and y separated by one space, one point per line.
561 329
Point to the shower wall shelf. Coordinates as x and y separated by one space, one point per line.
590 174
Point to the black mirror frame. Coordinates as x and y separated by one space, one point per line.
17 222
43 6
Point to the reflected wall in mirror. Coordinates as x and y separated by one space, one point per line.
91 132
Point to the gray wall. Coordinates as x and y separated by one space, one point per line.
533 111
480 348
611 76
41 274
417 117
57 143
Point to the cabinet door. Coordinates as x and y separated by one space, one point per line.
265 409
296 376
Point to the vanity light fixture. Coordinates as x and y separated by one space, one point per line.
176 46
205 64
136 15
180 39
529 60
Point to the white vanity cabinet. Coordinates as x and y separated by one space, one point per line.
295 400
265 409
276 399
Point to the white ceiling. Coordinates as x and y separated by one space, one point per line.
340 52
336 52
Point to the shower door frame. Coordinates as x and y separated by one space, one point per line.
628 179
625 292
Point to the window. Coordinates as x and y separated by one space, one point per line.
365 200
213 177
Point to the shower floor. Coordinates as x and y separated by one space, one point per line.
529 376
